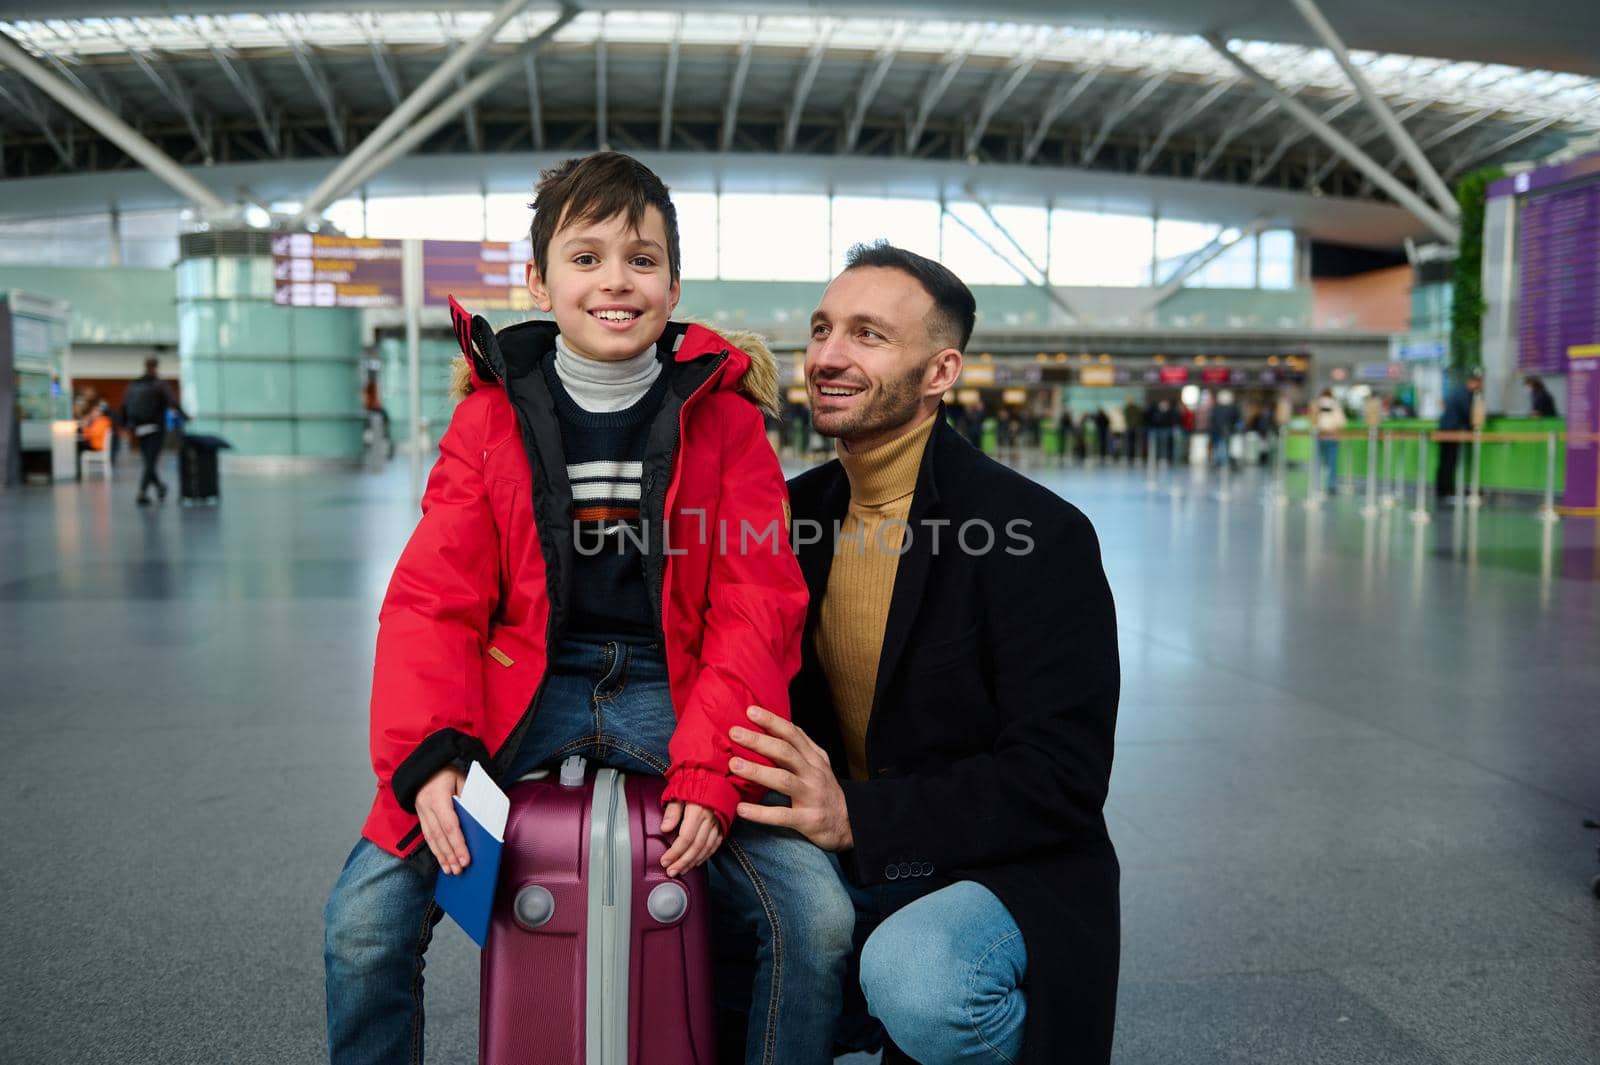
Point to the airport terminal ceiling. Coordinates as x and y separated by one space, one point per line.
1540 34
1068 95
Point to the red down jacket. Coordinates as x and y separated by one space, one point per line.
478 594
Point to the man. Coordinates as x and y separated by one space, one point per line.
1457 418
953 724
1224 424
144 412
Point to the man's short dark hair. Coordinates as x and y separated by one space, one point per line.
593 188
150 365
954 309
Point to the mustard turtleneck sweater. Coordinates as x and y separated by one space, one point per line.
855 606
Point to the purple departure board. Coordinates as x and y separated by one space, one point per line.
332 271
1583 424
1558 304
482 276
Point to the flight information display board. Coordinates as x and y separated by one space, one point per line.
1582 493
318 270
481 275
1558 306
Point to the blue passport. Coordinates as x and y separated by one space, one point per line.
468 897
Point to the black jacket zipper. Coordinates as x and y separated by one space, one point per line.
672 455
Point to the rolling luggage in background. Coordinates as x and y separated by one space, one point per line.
198 480
595 956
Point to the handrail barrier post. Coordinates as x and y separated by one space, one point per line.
1314 486
1370 510
1547 513
1278 494
1474 496
1224 493
1390 479
1419 513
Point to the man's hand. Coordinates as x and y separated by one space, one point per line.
440 826
698 838
801 770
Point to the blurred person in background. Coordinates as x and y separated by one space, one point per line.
1328 416
1163 423
1457 418
1266 429
144 412
95 432
1222 426
1116 431
1541 402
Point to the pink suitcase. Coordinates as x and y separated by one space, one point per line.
595 956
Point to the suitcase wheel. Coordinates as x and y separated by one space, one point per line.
668 903
534 907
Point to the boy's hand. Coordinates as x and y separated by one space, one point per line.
698 838
440 826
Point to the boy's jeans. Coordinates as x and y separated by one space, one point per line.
608 702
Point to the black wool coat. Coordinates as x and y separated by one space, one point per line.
989 748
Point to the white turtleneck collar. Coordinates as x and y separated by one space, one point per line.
605 387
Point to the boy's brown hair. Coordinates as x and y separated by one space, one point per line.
593 188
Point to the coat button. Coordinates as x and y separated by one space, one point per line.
905 868
890 872
919 869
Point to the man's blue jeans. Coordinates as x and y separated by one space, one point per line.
940 971
608 702
943 972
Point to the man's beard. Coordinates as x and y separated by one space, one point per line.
893 403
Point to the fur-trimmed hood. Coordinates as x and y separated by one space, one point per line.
487 357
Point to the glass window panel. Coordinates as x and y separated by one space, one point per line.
149 238
697 234
975 261
1029 226
774 237
909 224
453 217
348 216
1100 249
985 261
81 240
508 215
1277 259
1176 241
1234 268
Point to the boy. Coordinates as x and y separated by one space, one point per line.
567 592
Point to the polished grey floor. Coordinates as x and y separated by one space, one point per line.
1353 759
